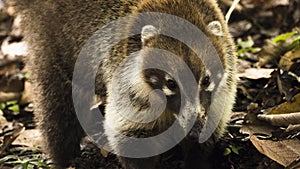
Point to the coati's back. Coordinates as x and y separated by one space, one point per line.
57 30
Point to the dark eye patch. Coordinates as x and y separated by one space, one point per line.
205 82
171 84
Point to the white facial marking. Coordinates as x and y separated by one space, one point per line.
219 75
208 73
168 77
167 91
211 86
153 79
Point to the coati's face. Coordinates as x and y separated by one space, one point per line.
167 81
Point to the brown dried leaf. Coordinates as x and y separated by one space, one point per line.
281 119
8 67
288 84
11 84
257 129
252 73
28 94
5 97
289 58
287 107
284 152
3 121
275 3
13 132
295 128
270 53
29 138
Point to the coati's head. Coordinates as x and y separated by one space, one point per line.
166 79
163 82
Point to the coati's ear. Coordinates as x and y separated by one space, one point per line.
215 28
148 32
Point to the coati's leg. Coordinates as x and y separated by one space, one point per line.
58 123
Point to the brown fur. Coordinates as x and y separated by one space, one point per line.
57 30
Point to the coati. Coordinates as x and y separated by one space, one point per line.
57 31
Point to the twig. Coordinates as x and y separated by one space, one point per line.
233 6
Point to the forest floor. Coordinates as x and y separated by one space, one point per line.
264 130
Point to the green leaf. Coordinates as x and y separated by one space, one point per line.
14 108
284 37
23 75
27 75
227 151
39 163
296 42
11 102
241 52
235 149
2 106
25 165
246 44
245 47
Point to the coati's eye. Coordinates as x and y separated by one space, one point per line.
171 84
205 82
